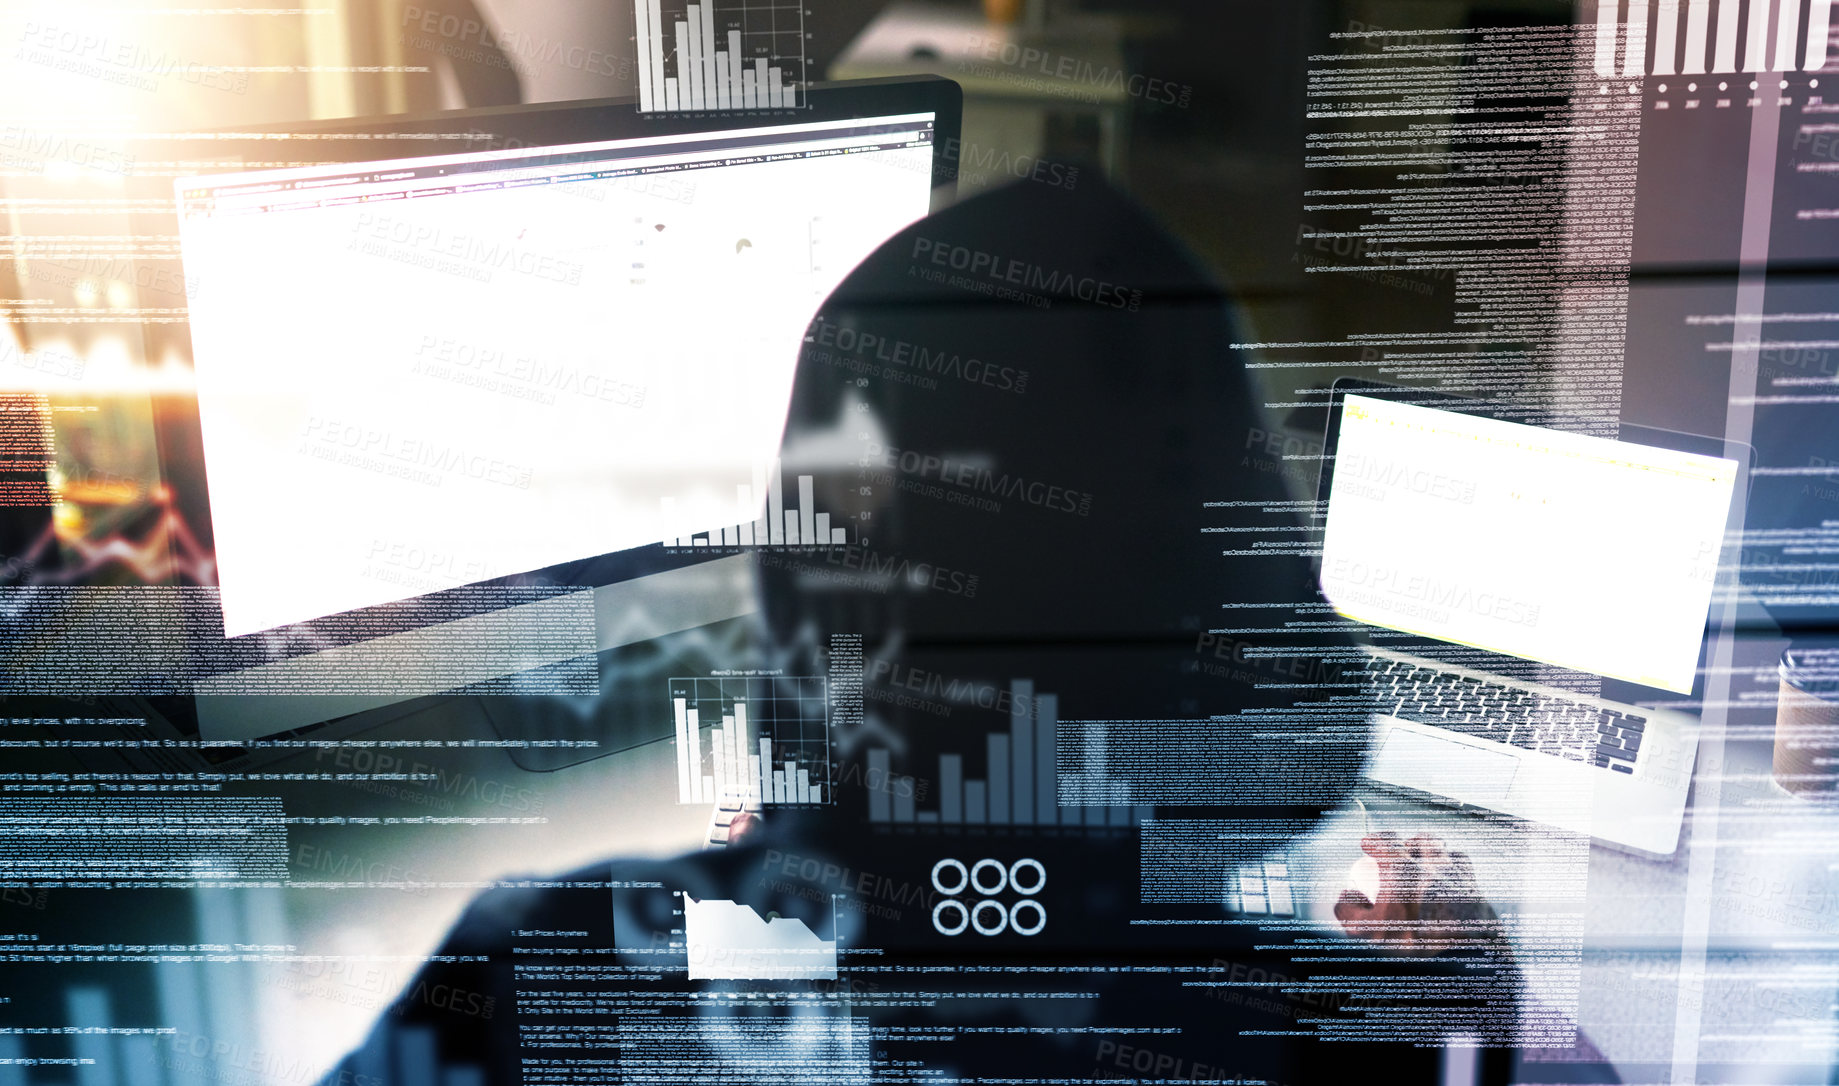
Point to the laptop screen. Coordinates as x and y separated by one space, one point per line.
1579 551
512 359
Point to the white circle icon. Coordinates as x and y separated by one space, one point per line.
992 928
1038 913
964 916
964 877
1002 877
989 878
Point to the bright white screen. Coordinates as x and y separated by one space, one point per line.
1579 551
409 382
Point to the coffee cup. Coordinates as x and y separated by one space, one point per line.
1807 721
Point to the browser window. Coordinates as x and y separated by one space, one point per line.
514 358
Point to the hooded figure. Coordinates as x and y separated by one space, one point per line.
1073 588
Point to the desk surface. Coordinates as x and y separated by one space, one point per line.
1712 943
1597 929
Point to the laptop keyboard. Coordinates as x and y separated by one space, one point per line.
1549 724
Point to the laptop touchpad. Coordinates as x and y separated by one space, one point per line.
1444 766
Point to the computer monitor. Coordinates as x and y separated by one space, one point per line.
486 380
516 358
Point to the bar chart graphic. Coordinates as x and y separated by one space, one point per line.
1020 785
719 55
779 522
1685 37
762 738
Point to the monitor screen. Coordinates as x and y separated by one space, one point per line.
514 358
1564 548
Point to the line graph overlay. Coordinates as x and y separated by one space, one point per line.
730 941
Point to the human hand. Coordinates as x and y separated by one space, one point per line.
1426 902
744 828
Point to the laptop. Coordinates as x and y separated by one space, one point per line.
1536 602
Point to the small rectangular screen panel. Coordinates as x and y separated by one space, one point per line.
1573 550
